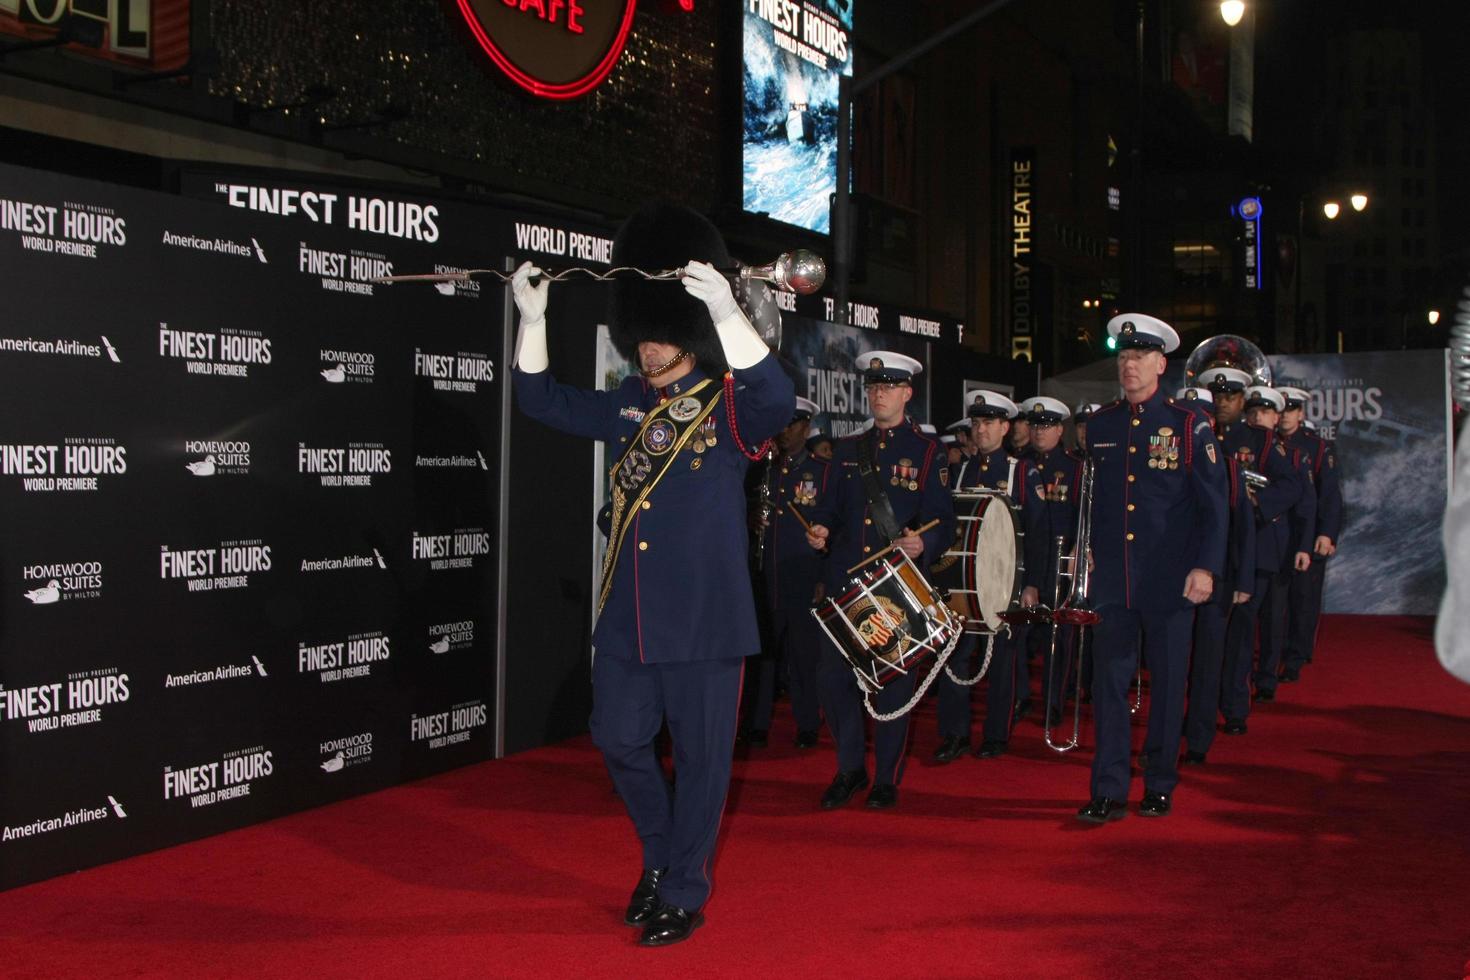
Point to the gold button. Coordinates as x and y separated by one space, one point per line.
1130 535
866 549
1136 422
882 445
1130 506
646 505
622 438
643 545
867 520
1133 449
784 471
1131 477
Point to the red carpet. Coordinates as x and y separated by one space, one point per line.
1329 842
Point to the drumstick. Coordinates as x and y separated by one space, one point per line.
874 557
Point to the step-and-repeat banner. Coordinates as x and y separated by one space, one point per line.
1388 415
248 499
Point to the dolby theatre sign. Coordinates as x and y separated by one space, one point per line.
553 49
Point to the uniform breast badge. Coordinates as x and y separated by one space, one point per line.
806 490
684 409
1163 450
658 438
905 474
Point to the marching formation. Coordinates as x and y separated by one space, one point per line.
1182 539
1170 562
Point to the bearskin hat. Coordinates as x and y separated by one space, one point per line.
661 235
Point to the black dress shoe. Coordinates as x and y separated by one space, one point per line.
645 904
843 786
1291 675
990 749
884 796
1102 809
1234 727
670 925
1193 758
759 738
1265 694
951 748
806 740
1154 805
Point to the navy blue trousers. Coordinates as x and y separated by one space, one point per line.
1272 628
700 699
1206 670
1116 649
1001 691
791 643
1305 598
1240 651
847 719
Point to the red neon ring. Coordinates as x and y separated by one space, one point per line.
566 90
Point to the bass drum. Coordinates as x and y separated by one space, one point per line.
981 574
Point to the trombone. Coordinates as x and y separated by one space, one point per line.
1073 610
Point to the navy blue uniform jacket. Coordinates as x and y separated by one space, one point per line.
1321 460
793 569
903 454
1257 448
1151 525
1240 556
681 588
1050 510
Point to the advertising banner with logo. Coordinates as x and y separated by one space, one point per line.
249 516
1388 415
826 364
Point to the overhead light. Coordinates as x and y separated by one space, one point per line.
1433 317
1231 11
1332 209
1359 201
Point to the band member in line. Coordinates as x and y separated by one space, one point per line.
1079 425
884 483
991 468
1263 408
1306 587
1159 520
675 615
790 575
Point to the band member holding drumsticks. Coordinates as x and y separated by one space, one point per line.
882 484
1159 521
676 617
991 468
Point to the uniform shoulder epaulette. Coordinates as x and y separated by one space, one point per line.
1107 406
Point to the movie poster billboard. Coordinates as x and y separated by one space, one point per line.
794 54
826 364
1388 415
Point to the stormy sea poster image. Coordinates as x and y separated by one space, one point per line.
794 54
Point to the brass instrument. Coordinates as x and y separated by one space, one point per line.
1074 609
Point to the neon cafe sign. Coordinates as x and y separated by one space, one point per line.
552 49
1249 211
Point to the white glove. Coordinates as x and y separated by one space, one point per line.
742 345
709 286
531 355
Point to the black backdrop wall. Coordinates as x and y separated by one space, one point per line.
271 534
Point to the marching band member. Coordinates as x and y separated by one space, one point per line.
1259 451
1306 587
883 483
1263 408
792 574
1080 418
1206 664
991 468
1158 540
676 617
1054 480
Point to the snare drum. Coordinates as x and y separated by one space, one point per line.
889 622
982 572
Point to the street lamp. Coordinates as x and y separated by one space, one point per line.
1332 209
1359 201
1433 317
1231 11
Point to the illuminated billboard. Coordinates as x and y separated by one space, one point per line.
795 50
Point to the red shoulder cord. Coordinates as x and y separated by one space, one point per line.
734 429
